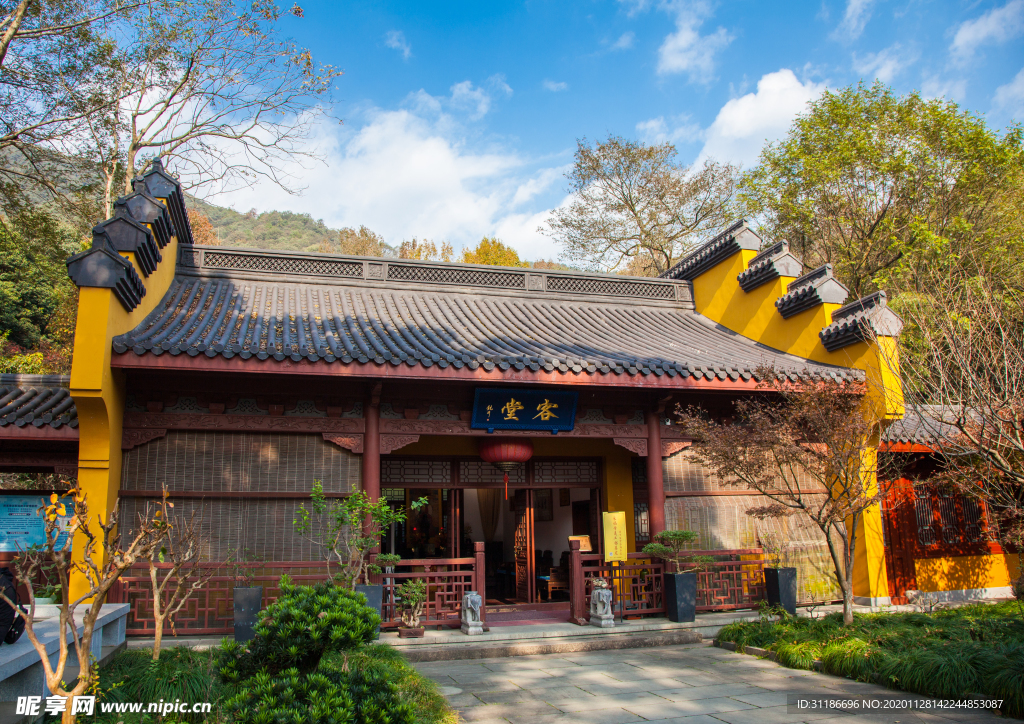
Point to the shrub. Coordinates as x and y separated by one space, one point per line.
180 674
299 628
290 696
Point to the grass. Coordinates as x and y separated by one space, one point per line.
190 675
972 650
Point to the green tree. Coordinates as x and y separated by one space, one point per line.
491 251
630 200
874 183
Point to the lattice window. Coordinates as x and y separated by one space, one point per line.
925 516
642 522
610 287
471 472
410 473
974 520
393 495
948 522
444 275
283 264
557 473
947 516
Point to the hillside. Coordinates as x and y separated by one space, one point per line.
282 230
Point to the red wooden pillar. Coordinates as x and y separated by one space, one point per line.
480 574
655 486
371 450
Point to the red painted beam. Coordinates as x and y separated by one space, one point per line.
31 432
202 363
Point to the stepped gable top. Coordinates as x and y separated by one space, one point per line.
148 210
813 288
127 234
861 320
922 425
101 266
770 264
161 184
736 237
341 310
36 400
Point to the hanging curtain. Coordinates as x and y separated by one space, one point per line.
489 501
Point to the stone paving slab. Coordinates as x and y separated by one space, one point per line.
692 684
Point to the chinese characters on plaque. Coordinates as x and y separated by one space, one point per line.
518 409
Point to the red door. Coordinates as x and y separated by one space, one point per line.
900 530
526 576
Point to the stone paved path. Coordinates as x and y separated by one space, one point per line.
696 684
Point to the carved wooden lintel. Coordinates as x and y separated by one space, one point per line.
132 437
228 423
636 445
390 443
353 443
671 447
461 427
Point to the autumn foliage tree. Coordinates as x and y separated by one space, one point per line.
809 448
491 251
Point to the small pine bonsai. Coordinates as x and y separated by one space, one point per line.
669 545
413 597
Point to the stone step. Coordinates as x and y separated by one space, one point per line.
606 640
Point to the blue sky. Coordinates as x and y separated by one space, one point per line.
460 118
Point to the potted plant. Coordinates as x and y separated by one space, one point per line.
779 580
680 586
349 530
48 594
412 597
247 597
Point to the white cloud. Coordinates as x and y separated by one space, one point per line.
554 86
744 124
467 97
657 130
416 171
499 82
625 41
996 26
936 87
883 65
1010 97
686 50
396 39
857 14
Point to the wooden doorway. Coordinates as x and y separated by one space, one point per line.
899 527
526 575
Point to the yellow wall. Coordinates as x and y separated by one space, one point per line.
616 488
99 391
962 572
718 296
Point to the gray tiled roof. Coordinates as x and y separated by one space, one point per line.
344 309
921 425
36 400
736 237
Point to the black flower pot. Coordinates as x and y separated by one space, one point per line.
374 598
780 585
681 596
248 602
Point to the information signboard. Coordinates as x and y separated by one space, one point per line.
21 524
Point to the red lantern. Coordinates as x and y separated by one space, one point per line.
505 453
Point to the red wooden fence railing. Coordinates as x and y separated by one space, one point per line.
210 610
638 583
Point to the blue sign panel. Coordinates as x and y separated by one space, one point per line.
21 526
524 410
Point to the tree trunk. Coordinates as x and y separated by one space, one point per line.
158 636
848 605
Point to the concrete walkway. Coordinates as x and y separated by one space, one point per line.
695 684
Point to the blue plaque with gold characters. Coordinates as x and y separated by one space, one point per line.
524 410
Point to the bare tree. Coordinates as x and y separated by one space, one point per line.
102 559
215 88
632 200
967 339
181 547
809 448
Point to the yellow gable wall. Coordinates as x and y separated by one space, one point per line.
957 573
99 390
718 296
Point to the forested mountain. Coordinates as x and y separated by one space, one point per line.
270 230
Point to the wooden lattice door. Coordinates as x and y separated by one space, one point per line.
898 519
526 576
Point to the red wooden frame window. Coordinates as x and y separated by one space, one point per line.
950 524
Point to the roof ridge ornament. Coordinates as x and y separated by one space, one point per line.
816 287
148 210
737 237
861 321
102 267
163 185
127 234
771 263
